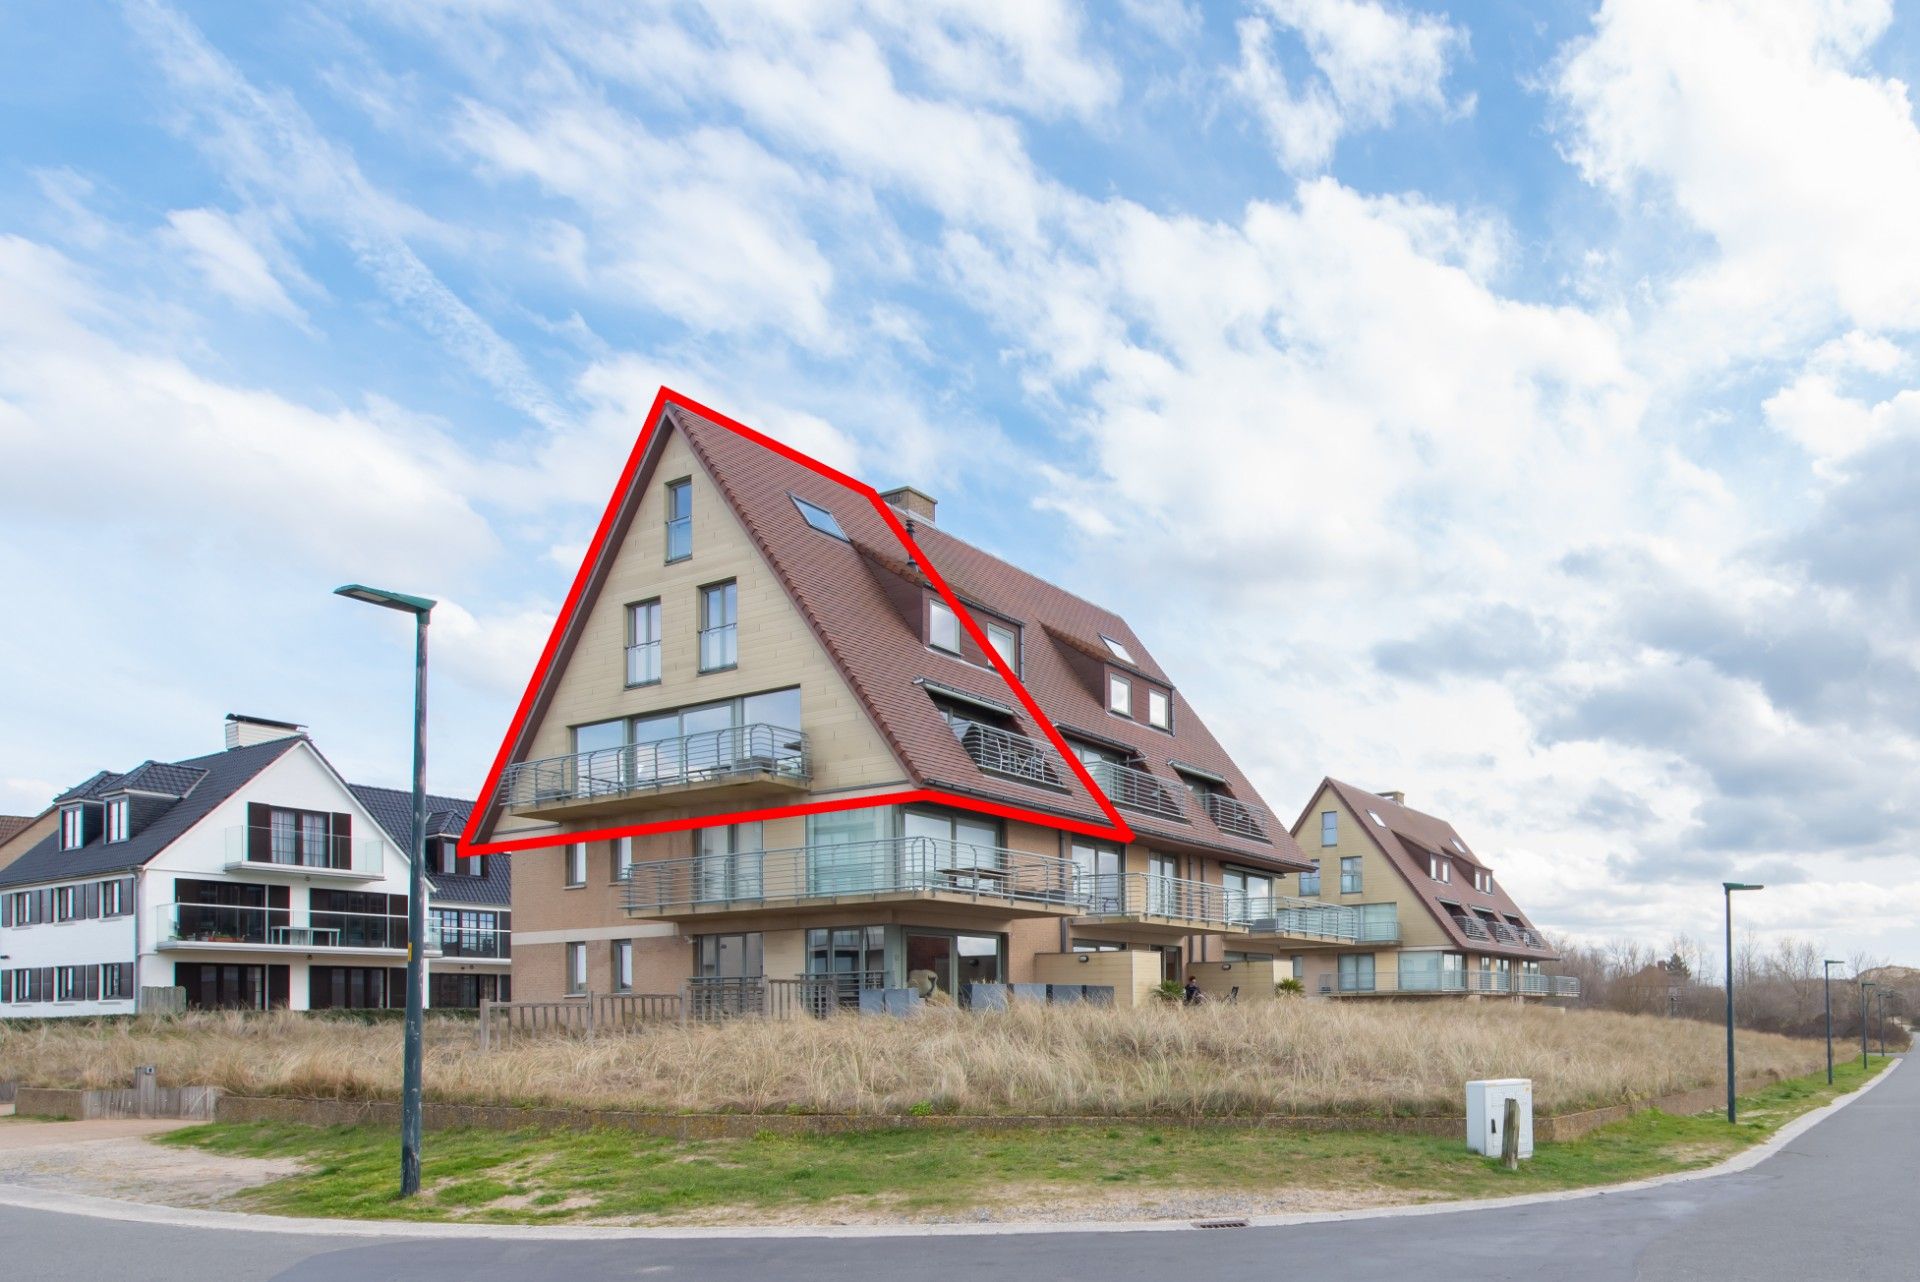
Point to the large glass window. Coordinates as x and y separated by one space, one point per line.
1420 972
719 630
728 863
1163 873
849 851
729 956
1096 876
1350 875
1310 881
679 520
956 844
643 643
1356 973
854 956
1249 894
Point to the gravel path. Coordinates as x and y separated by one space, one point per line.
112 1158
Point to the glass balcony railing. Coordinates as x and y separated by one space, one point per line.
190 925
289 848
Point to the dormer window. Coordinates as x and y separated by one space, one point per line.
1159 710
1006 643
1119 651
943 626
819 518
1119 695
73 828
1440 868
1483 881
117 819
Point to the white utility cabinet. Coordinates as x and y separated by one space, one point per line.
1487 1111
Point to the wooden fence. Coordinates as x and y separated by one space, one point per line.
583 1016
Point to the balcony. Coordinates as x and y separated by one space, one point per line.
749 762
244 928
1132 789
1284 918
474 943
824 879
1002 752
1233 816
1171 907
1471 927
286 852
714 997
1533 939
1499 932
1444 983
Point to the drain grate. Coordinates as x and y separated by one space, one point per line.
1219 1224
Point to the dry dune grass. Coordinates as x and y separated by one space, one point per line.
1302 1057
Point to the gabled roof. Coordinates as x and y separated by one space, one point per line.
446 816
882 655
860 599
1406 837
11 824
169 779
219 776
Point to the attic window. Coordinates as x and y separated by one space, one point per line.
1120 652
819 518
1457 846
73 828
1375 816
943 626
117 819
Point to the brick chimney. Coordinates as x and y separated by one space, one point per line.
914 503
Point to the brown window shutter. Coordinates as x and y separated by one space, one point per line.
258 848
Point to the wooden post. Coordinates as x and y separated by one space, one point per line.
486 1020
1510 1137
590 1005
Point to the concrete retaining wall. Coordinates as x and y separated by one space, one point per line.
192 1103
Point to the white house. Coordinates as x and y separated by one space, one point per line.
255 877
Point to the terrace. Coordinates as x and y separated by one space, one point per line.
748 762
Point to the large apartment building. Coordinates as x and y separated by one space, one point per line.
251 878
754 635
1434 920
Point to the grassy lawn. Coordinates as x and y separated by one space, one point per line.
535 1177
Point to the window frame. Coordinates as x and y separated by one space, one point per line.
657 640
1314 889
1329 828
1161 701
938 610
1122 687
728 591
119 820
809 509
622 977
1352 875
575 959
576 861
73 827
996 629
1117 649
675 489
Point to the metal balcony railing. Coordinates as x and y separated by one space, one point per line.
1137 894
267 848
1470 926
1503 933
712 756
1565 985
1233 816
643 663
186 925
1532 939
1005 753
719 647
899 865
1285 915
1136 790
1451 981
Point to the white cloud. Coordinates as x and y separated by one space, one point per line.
1370 59
233 265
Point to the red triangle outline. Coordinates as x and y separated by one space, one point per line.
469 847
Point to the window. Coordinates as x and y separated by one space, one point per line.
117 819
1483 880
819 518
116 981
69 983
719 617
1118 651
1159 710
1376 818
1440 868
65 903
73 828
1356 973
943 626
623 965
679 520
1457 846
1096 875
643 643
622 857
576 969
1249 894
1329 827
1119 694
116 897
732 956
1310 881
1350 875
1006 643
577 864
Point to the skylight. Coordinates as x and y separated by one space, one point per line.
1375 816
1120 652
819 518
1457 846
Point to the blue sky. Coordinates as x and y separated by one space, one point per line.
1511 403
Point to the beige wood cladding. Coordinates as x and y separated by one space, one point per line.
1240 981
776 647
1133 975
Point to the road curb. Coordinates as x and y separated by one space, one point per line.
44 1200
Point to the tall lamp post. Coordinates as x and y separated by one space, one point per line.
1864 986
420 608
1727 888
1826 978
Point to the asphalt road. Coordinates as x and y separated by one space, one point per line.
1840 1201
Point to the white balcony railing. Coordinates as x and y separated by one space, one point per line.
900 865
268 849
712 756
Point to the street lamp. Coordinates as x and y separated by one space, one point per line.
1826 978
420 608
1864 986
1880 1019
1727 888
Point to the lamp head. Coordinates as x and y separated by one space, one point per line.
389 600
1731 886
